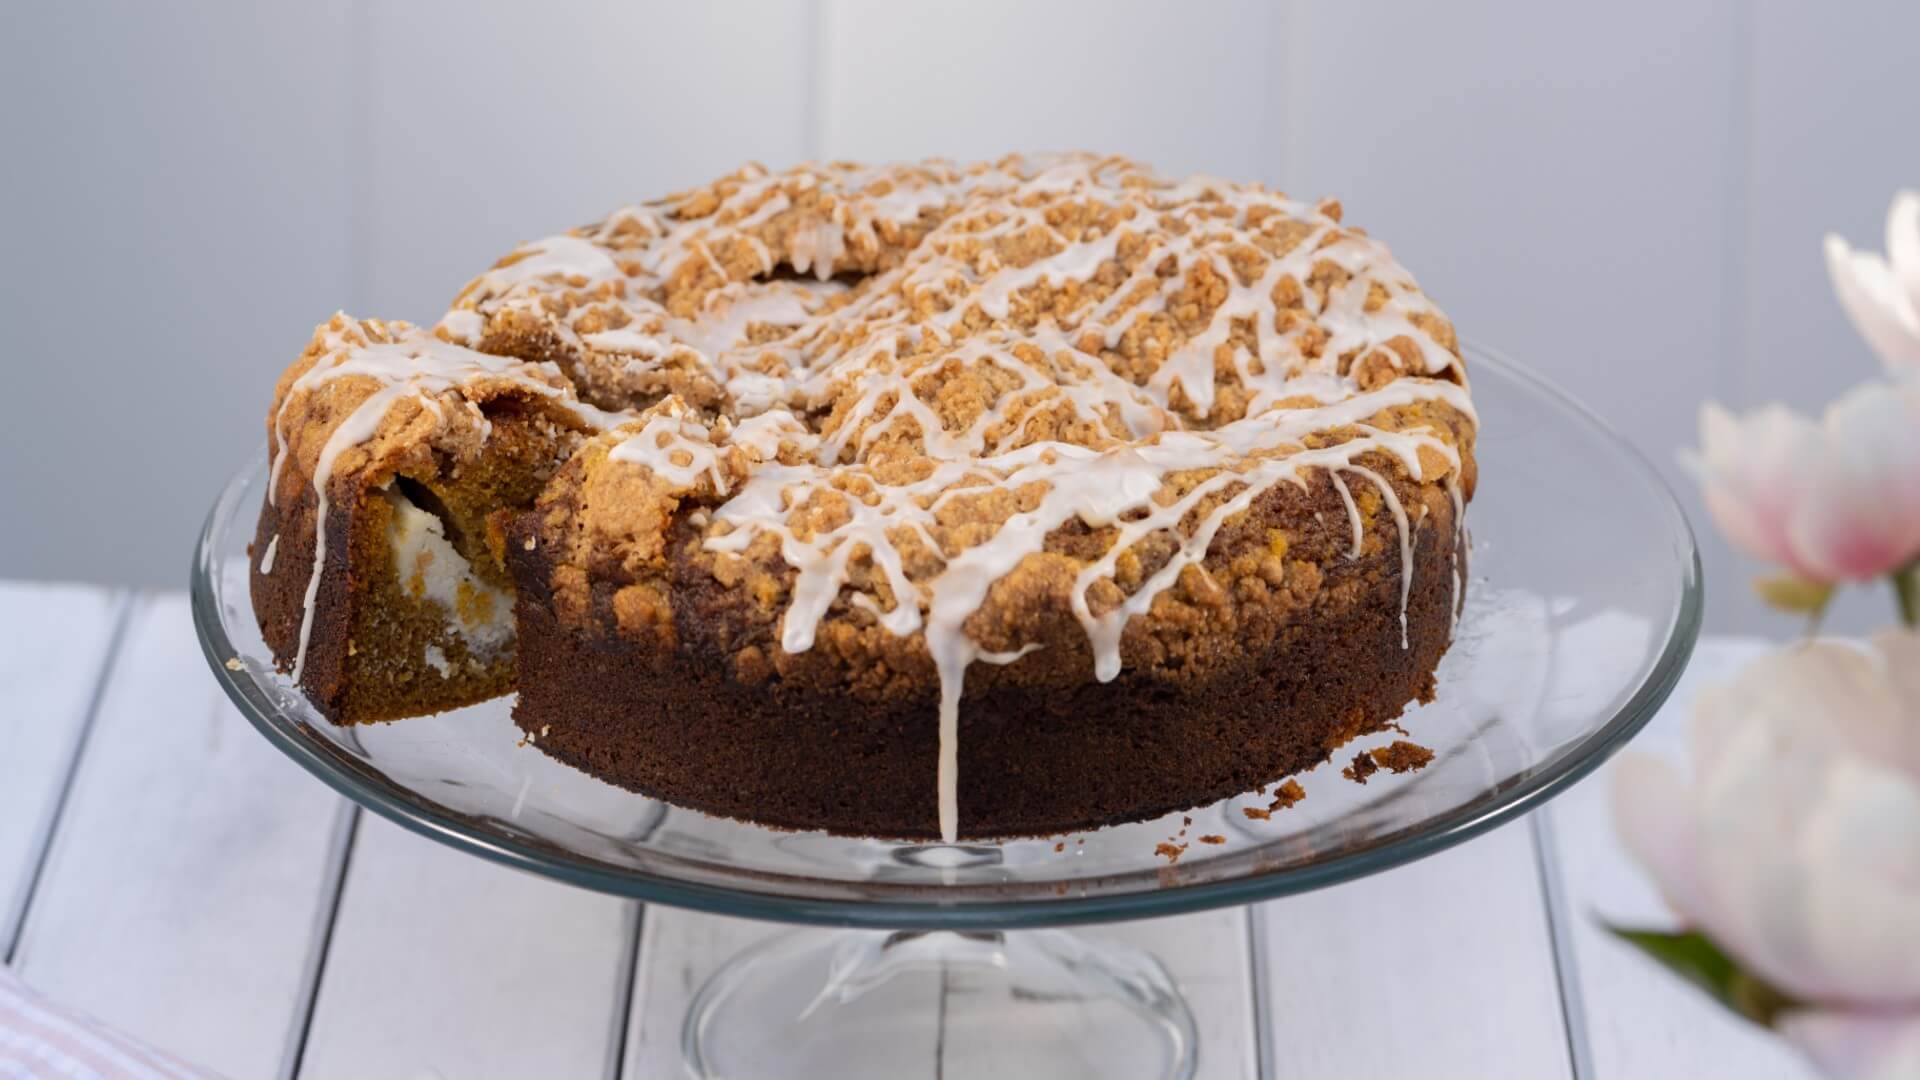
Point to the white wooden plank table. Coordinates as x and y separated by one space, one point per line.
165 870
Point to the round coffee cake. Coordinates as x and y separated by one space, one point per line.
953 501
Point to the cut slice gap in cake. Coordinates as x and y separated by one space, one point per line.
386 595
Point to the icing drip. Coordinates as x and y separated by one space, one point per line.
1070 332
356 429
1353 514
1459 541
1406 540
266 557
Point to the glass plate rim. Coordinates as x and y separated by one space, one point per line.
1432 836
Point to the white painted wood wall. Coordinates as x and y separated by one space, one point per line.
1628 196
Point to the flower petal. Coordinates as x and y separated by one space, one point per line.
1750 471
1858 515
1899 652
1857 1045
1750 810
1860 848
1814 700
1903 246
1652 812
1880 309
1797 847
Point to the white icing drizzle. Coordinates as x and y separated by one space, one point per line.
675 446
402 363
1406 539
1353 514
1459 540
266 557
1329 334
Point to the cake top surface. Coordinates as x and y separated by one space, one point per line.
1091 300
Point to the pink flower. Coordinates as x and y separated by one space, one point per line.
1796 846
1833 501
1857 1045
1882 295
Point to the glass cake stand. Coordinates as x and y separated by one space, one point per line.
1582 608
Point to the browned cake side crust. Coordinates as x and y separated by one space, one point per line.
1264 689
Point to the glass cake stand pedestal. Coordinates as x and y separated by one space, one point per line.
1582 607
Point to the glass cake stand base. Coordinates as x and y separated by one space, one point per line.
876 1003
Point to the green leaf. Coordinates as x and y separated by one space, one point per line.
1906 591
1695 958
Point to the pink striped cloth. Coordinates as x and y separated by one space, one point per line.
41 1040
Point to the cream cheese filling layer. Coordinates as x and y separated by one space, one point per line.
431 568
